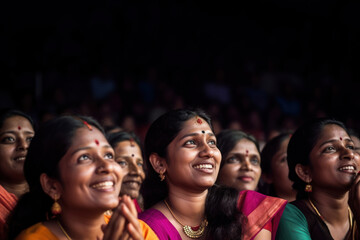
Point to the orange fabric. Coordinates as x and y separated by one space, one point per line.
40 232
148 233
37 231
7 204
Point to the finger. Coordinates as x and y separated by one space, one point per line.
130 216
130 204
135 231
116 225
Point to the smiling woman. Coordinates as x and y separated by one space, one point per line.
324 166
73 179
183 162
240 167
16 133
181 200
128 154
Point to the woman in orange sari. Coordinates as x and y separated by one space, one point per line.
73 180
16 133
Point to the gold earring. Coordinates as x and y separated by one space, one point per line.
308 187
161 175
56 208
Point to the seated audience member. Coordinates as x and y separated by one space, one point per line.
184 161
275 169
240 165
73 179
16 133
128 154
324 168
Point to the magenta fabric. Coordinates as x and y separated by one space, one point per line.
259 210
138 208
159 224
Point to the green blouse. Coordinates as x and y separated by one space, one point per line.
293 225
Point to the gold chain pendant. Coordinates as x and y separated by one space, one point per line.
195 233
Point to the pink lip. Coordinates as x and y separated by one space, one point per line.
246 178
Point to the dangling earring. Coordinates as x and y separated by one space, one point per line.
161 175
308 187
56 208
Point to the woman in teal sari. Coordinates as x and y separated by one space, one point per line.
324 168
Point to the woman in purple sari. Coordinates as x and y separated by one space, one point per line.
183 162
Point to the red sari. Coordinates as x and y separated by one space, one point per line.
262 212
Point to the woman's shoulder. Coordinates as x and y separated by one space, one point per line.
159 223
293 224
37 231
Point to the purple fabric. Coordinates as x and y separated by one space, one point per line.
159 224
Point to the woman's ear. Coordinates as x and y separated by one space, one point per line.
51 187
303 172
158 163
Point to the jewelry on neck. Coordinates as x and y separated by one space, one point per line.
63 230
322 218
191 232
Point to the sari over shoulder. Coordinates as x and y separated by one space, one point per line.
7 204
261 211
159 224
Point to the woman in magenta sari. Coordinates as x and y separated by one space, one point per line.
183 163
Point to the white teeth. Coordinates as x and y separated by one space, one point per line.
20 159
203 166
347 168
103 185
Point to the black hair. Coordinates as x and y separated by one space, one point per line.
160 134
227 140
116 137
225 220
9 112
300 145
52 141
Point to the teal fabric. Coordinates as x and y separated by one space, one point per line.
293 225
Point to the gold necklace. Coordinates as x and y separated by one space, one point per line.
191 232
63 230
322 218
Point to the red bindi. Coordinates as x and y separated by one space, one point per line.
132 144
340 138
132 155
247 153
19 127
198 120
96 142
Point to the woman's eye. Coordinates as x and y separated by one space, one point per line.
109 156
140 164
8 140
29 139
284 159
232 160
255 161
190 142
122 163
212 142
84 157
330 148
351 147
